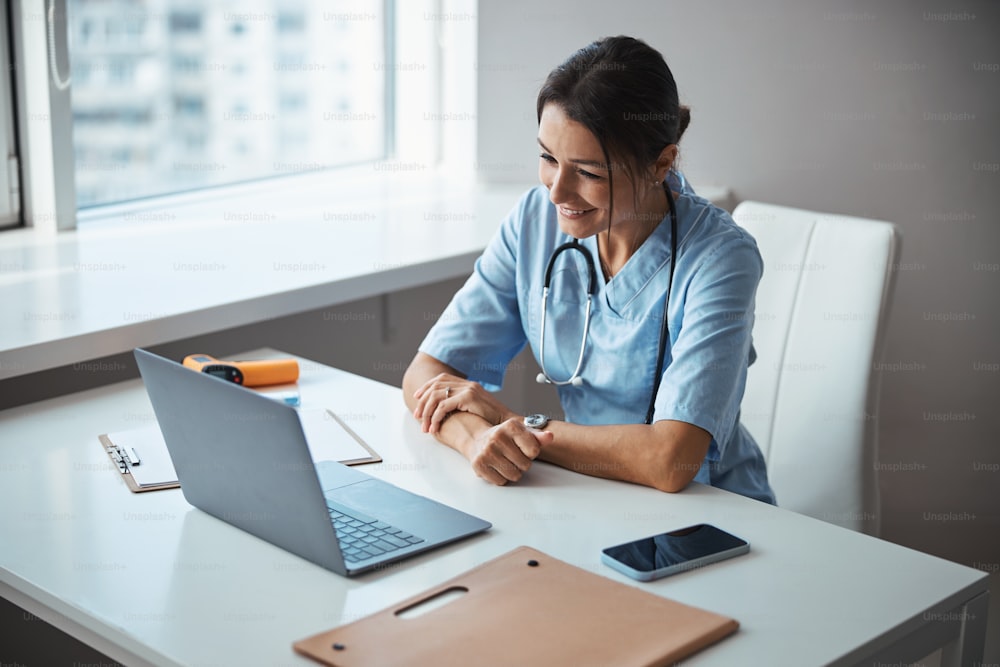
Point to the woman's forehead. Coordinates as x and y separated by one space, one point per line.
558 133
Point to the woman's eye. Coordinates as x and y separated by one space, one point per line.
584 173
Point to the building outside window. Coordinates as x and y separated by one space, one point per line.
174 95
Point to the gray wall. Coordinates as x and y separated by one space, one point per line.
880 109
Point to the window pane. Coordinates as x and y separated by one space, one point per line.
171 95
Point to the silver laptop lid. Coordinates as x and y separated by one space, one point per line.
243 458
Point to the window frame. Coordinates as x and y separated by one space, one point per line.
10 169
43 113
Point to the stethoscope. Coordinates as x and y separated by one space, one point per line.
575 379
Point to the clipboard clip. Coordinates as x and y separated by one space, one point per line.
153 468
124 457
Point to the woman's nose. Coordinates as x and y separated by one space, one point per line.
560 188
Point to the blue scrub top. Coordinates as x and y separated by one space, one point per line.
711 311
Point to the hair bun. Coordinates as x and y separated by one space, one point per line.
685 120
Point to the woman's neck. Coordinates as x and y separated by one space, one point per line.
617 244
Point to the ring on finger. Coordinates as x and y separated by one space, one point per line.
447 392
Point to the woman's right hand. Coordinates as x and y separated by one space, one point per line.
503 453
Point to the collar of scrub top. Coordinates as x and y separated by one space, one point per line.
575 379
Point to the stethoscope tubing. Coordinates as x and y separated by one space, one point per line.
575 378
664 323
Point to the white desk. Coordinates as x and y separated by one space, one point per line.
147 579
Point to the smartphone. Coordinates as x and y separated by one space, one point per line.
677 551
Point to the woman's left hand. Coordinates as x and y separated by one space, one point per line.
444 394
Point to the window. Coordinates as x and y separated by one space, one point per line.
148 107
178 94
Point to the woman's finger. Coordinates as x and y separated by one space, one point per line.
442 408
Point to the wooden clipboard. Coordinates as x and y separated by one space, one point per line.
142 459
525 608
120 459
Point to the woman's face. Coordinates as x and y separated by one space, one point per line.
573 168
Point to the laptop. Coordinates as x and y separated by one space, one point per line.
243 458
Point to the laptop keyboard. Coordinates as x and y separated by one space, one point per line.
362 537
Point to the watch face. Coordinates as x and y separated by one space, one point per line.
536 421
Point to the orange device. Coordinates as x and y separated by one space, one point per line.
246 373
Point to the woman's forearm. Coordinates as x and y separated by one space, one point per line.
665 455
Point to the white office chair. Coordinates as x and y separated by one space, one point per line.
811 399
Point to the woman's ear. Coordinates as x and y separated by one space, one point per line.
664 162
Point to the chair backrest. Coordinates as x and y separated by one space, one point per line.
811 399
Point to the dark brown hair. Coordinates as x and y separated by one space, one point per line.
620 89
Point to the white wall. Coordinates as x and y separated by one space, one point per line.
888 110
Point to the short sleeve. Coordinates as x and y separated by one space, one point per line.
704 382
480 331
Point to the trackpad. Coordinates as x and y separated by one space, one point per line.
384 501
333 475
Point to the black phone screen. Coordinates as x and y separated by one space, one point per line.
673 548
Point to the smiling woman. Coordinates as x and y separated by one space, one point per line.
582 190
642 130
609 123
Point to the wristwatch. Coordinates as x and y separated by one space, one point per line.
536 421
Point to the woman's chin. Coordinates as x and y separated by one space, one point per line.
580 227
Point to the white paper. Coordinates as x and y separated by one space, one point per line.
155 466
328 439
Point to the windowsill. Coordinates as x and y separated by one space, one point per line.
143 276
133 276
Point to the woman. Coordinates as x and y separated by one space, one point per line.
646 400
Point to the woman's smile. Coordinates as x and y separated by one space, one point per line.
574 214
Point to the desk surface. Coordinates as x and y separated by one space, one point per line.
148 579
